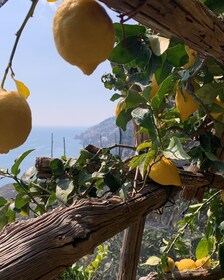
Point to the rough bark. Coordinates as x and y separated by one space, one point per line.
201 274
130 250
188 20
41 248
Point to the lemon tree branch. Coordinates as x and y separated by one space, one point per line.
18 35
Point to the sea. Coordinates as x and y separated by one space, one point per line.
45 142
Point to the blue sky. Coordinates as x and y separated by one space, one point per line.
61 95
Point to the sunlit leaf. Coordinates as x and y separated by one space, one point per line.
22 88
175 150
144 118
144 145
15 167
202 248
159 44
153 260
63 189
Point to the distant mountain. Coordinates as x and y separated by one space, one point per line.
106 134
8 191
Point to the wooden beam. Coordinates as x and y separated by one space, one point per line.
189 20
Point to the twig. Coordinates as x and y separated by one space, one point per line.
18 34
122 146
182 229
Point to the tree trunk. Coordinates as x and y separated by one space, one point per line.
130 251
41 248
188 20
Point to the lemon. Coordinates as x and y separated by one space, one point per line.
121 105
164 172
154 87
169 265
203 262
15 118
192 55
186 264
185 103
83 33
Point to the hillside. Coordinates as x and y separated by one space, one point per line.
106 133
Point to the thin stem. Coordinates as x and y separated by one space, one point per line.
18 34
181 230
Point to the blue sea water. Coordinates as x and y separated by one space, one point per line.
46 142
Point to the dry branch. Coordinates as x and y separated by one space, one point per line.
212 274
188 20
41 248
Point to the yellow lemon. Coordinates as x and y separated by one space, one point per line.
169 265
154 87
164 172
203 262
83 33
120 106
186 264
192 55
15 118
185 103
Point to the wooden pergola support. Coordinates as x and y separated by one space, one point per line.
188 20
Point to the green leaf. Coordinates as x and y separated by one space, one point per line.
208 92
57 167
202 249
123 118
21 200
63 189
133 99
115 97
144 145
3 201
136 161
164 71
177 55
221 255
123 192
112 182
126 51
216 6
3 220
15 167
175 150
143 166
126 30
163 89
144 118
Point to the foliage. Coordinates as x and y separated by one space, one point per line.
138 57
83 270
